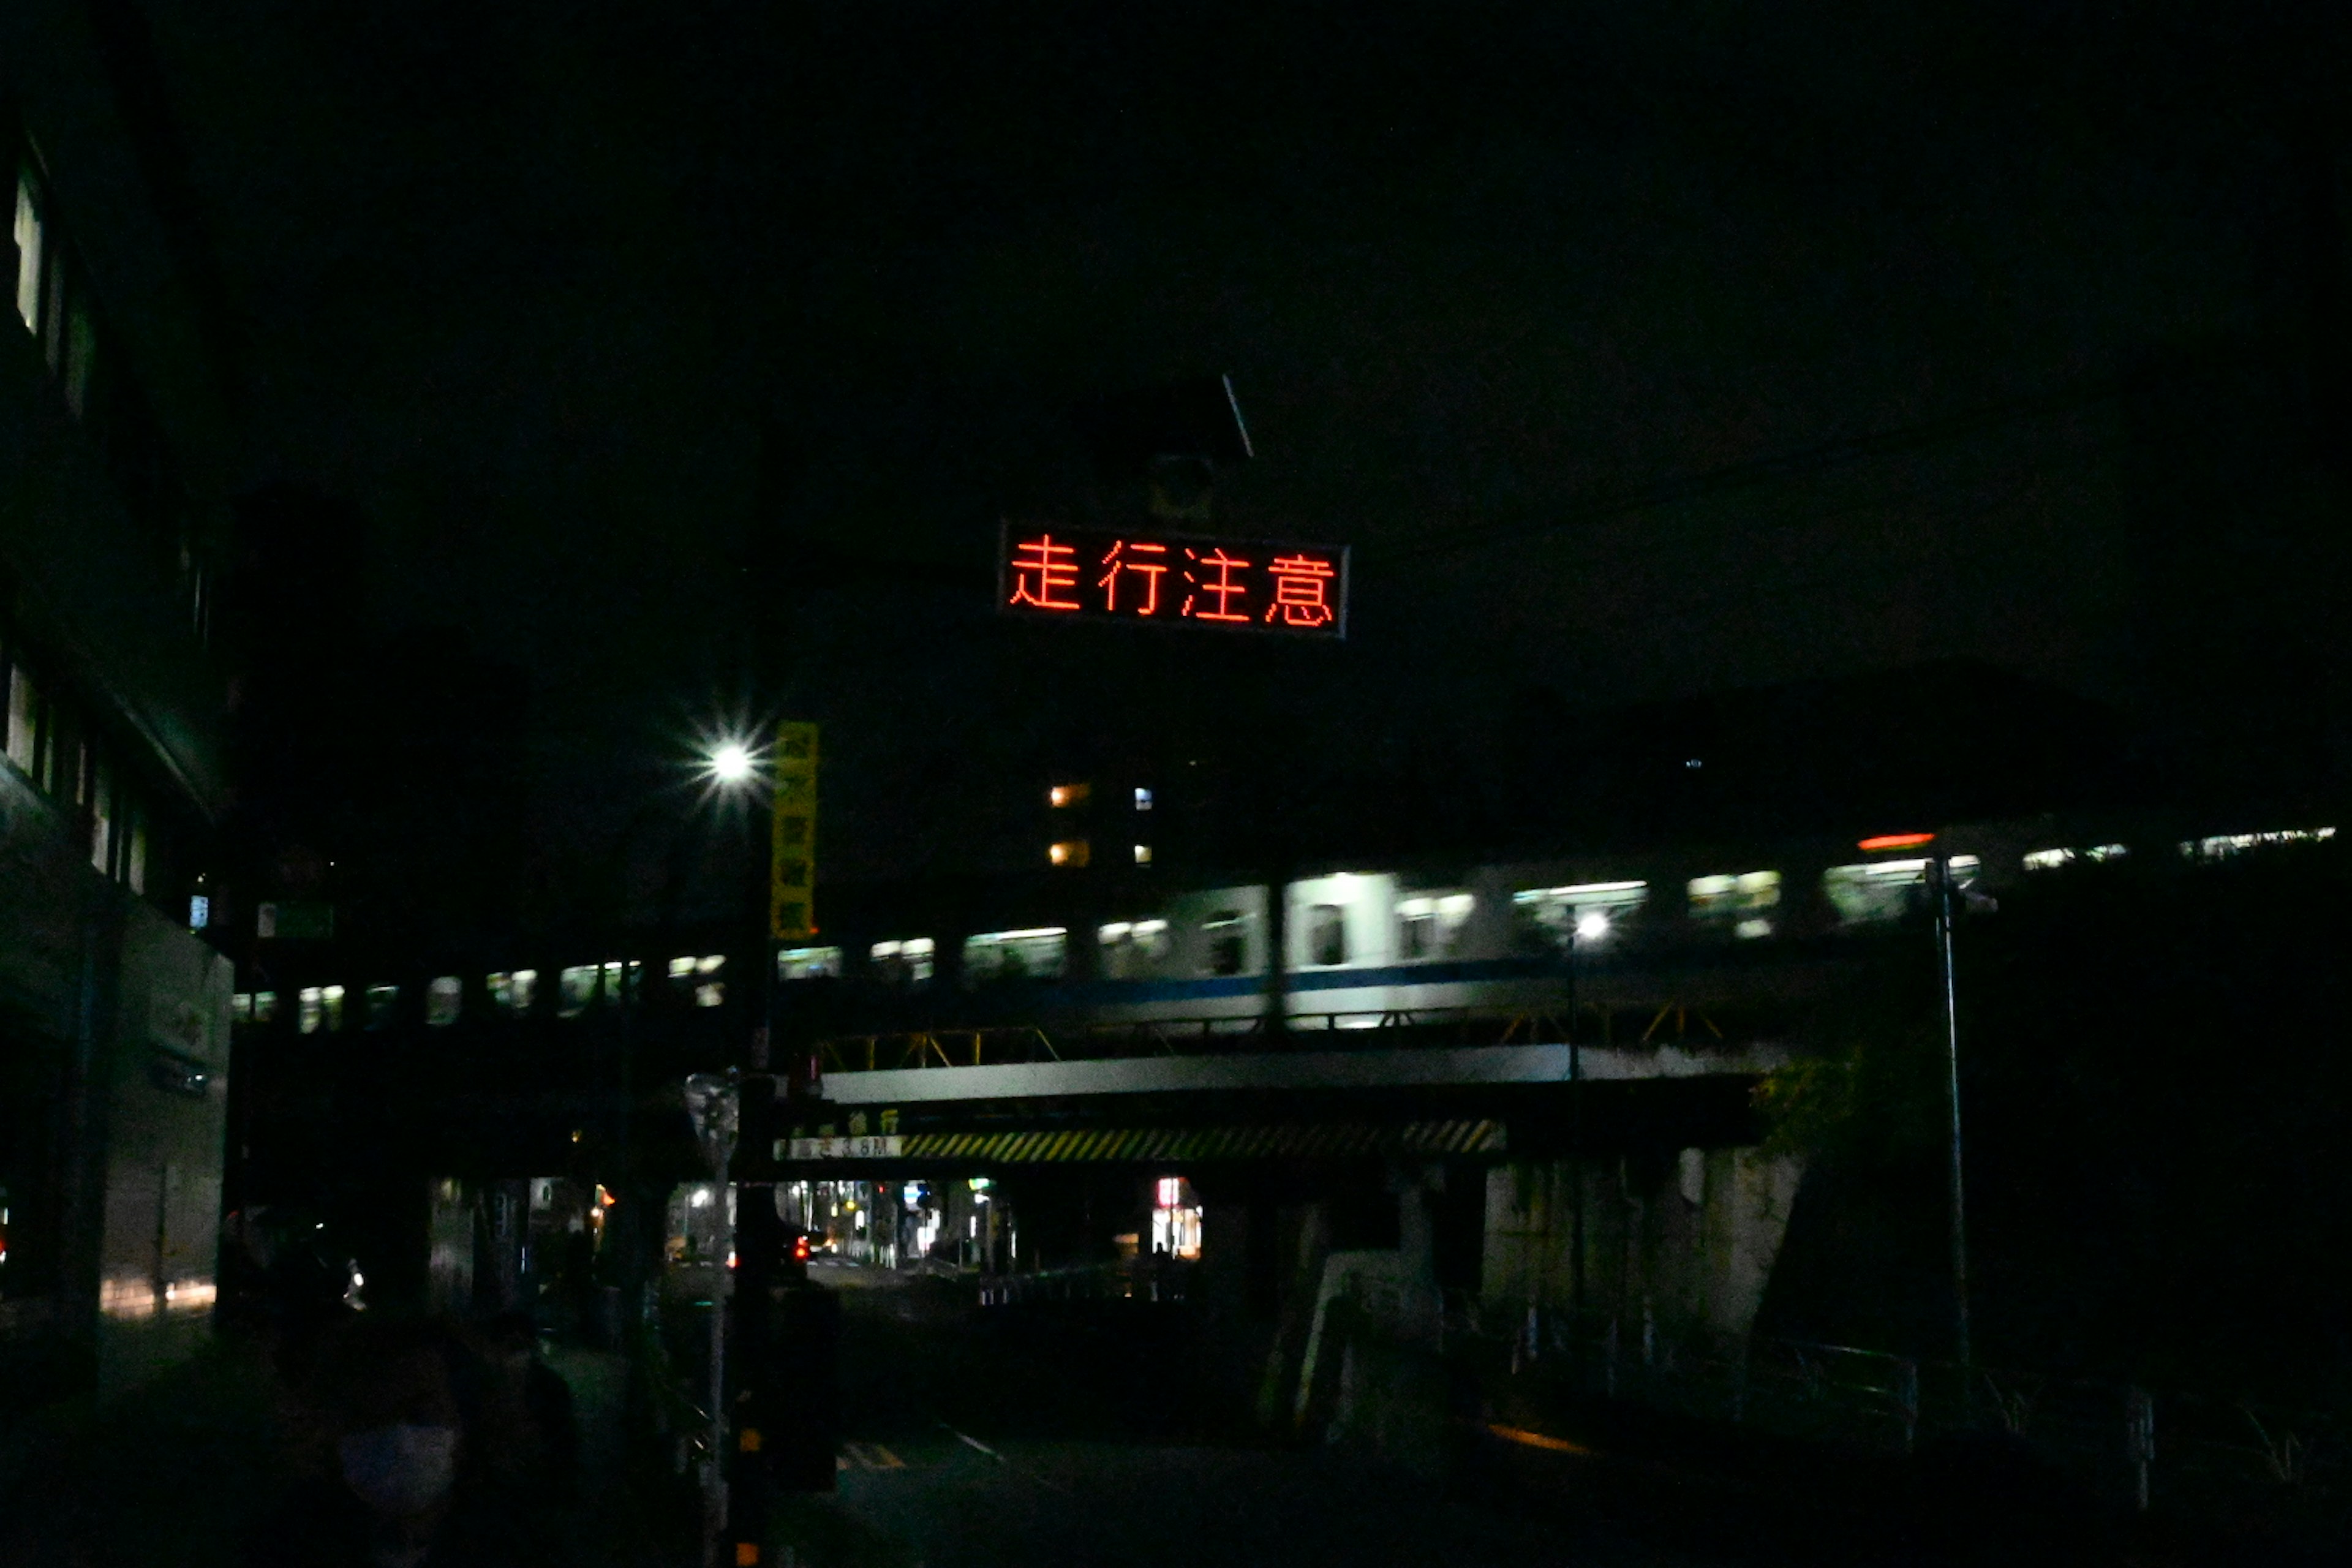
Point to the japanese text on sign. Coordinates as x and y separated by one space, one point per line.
1093 573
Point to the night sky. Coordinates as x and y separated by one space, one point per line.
1639 351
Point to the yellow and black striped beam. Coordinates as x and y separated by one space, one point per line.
1162 1143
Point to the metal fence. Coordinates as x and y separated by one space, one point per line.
2133 1445
1021 1043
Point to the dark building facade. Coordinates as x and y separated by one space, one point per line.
113 1013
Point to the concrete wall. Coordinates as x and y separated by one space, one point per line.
1683 1244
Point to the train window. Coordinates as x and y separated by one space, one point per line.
808 964
908 961
383 1005
1741 903
1131 948
576 989
264 1006
1326 934
241 1008
1228 934
513 991
1885 889
1587 911
2227 844
1430 926
311 1009
443 1000
703 977
1039 955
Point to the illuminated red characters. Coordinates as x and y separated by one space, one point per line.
1140 559
1217 584
1039 567
1073 572
1300 585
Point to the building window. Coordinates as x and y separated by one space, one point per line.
1553 918
1175 1219
1430 925
808 964
1070 852
1228 934
383 1005
1326 934
1742 903
1143 854
1039 955
1064 794
445 998
1142 798
513 991
908 961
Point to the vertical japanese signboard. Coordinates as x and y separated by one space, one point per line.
792 844
1226 584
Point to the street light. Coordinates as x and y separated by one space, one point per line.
731 764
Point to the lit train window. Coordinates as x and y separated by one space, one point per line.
1885 889
808 964
1039 955
1326 934
264 1006
908 961
1228 934
1586 912
1132 949
444 999
575 990
1741 903
1430 925
383 1005
513 991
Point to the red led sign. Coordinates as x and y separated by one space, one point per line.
1106 575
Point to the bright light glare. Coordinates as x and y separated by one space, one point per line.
1592 925
730 763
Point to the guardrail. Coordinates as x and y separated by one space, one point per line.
2139 1446
1009 1045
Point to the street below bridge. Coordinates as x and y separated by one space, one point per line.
1102 1435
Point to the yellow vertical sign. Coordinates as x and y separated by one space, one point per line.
792 862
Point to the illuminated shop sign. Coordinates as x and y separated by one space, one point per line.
1106 575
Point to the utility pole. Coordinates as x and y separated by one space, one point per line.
1942 868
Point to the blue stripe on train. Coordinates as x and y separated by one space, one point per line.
1130 993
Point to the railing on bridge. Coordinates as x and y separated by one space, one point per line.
1142 1279
1011 1045
2137 1446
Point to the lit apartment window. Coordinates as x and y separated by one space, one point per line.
808 964
445 998
1070 852
908 961
1039 955
1143 854
1430 925
1064 794
1142 798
